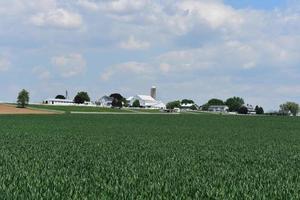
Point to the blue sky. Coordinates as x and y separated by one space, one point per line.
198 49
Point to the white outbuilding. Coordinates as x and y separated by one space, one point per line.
147 102
58 102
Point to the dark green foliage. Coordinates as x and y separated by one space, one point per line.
117 96
234 103
205 107
81 97
212 102
216 102
149 157
173 104
290 107
118 100
136 104
187 101
194 107
23 98
60 97
243 110
259 110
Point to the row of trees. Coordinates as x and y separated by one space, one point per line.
289 108
235 104
181 104
81 97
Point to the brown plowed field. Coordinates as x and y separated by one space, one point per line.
11 109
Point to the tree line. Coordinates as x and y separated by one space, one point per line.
235 104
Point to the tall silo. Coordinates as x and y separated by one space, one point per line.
153 92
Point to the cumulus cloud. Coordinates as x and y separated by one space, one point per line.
69 65
60 18
89 5
4 64
133 44
123 6
137 68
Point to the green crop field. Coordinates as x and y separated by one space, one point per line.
149 157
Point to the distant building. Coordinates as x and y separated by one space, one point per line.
147 102
251 109
105 101
188 106
153 92
58 102
218 108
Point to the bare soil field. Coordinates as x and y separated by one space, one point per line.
11 109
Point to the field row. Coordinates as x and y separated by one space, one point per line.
149 157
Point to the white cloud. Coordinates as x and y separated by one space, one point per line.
60 18
126 68
69 65
214 13
89 5
41 73
133 44
123 6
4 64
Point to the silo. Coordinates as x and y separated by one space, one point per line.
153 92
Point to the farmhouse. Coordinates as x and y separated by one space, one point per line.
58 102
188 106
218 108
250 108
106 101
147 102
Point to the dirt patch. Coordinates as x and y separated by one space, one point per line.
11 109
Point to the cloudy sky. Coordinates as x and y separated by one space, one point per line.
195 49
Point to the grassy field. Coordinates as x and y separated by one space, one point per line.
149 157
77 108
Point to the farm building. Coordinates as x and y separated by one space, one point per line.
106 101
218 108
188 106
147 102
58 102
250 108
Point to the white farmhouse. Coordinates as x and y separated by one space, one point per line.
147 102
106 101
218 108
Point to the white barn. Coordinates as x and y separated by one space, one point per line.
58 102
147 102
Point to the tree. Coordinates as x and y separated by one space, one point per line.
289 107
187 101
215 102
60 97
243 110
136 104
81 97
118 100
194 107
259 110
234 103
23 98
205 107
173 104
212 102
125 102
